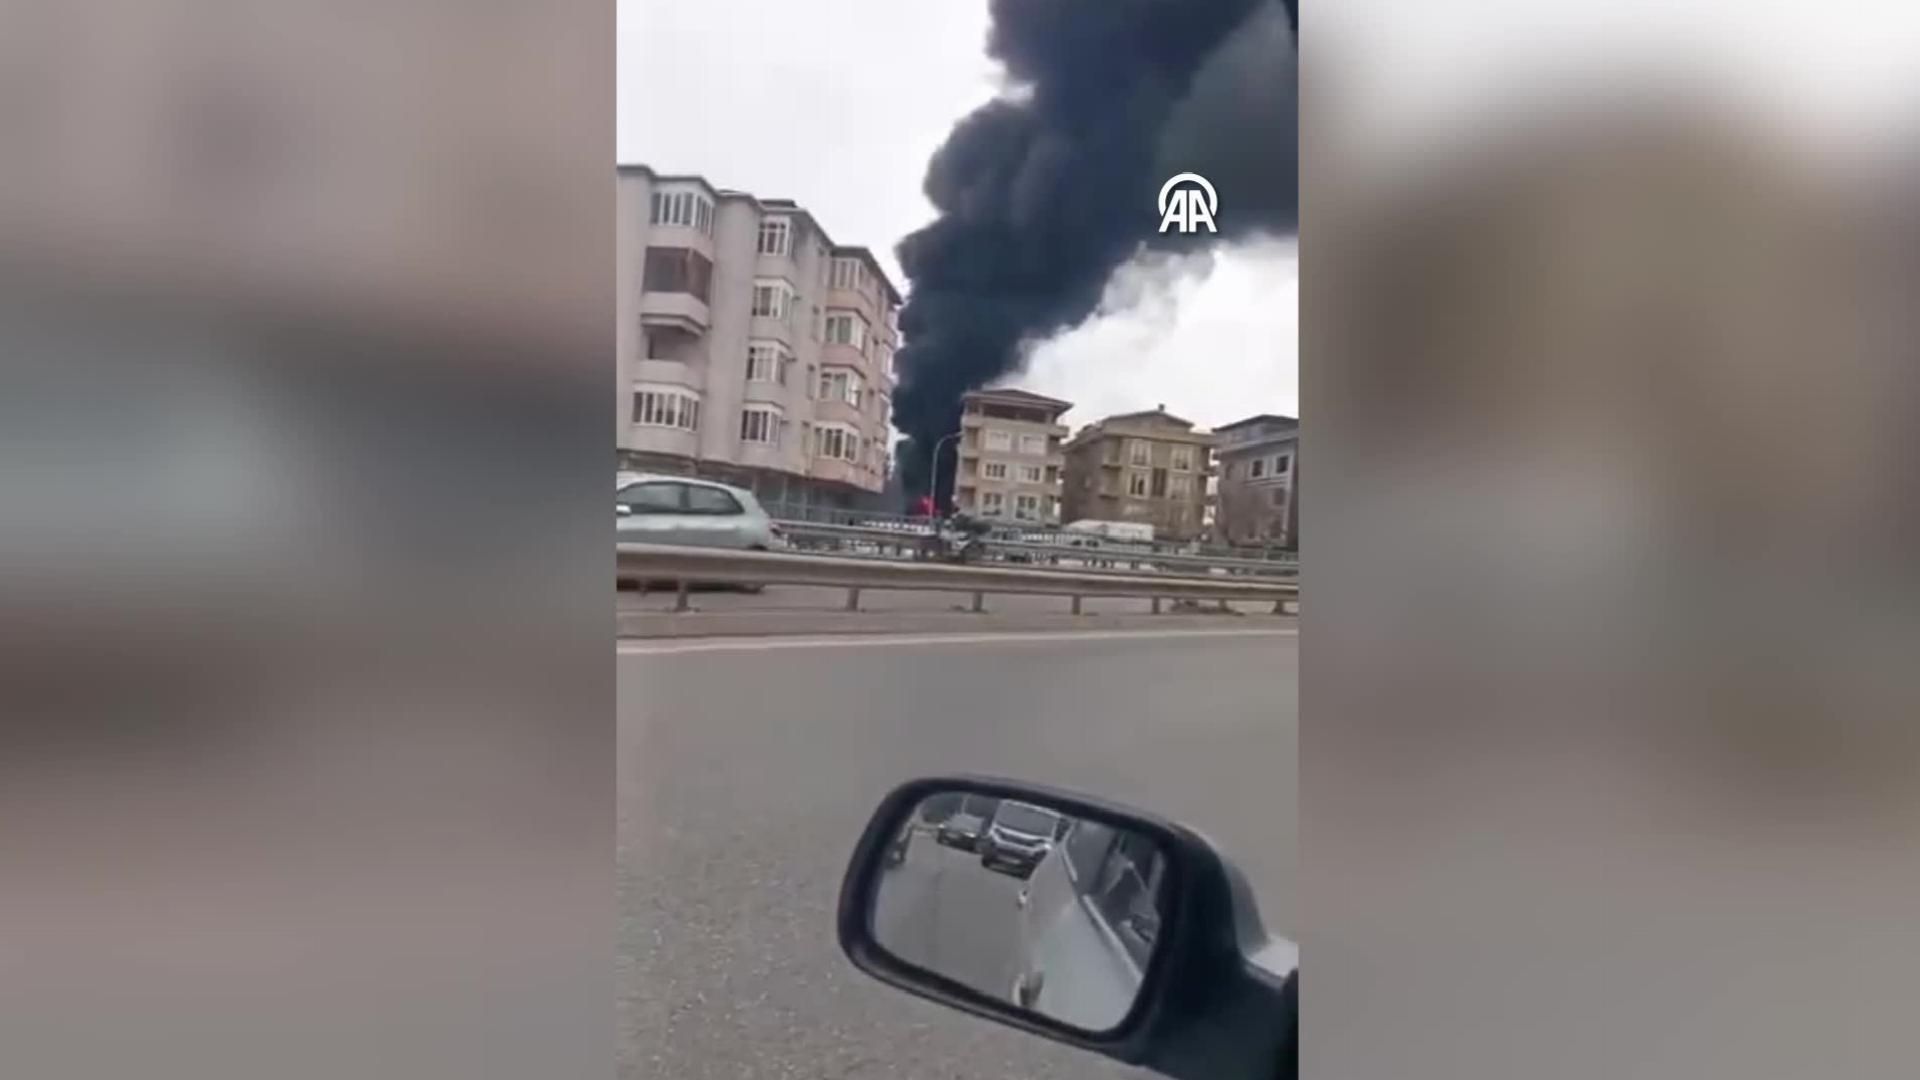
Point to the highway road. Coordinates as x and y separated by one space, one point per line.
747 767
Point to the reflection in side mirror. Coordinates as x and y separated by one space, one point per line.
1078 920
1050 912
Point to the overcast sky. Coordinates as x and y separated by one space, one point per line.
838 104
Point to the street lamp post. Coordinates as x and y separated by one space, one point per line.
933 475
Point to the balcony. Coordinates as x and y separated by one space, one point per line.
834 352
679 311
854 300
836 411
835 470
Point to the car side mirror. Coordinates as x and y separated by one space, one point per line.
622 510
1074 919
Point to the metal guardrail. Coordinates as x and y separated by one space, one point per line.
797 515
1203 563
684 565
904 543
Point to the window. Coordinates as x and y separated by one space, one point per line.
1226 471
760 425
1026 507
1256 468
1182 459
676 270
711 500
774 300
775 236
846 273
1180 487
685 208
994 470
767 362
1030 474
993 502
1159 483
999 440
1139 451
1137 484
839 384
883 359
670 408
1279 496
1033 445
846 328
654 497
1281 464
837 442
657 349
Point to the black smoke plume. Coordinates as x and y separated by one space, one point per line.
1043 192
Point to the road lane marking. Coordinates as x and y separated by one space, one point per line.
667 646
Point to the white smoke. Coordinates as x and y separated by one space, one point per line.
1212 335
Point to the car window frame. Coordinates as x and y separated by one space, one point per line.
1039 810
640 511
687 507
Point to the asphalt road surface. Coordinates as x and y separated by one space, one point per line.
942 910
748 767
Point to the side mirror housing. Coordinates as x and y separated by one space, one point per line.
1074 919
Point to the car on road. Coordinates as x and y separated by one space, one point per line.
1019 836
966 827
652 509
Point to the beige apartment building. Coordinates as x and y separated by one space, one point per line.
1258 503
1009 462
1147 467
750 347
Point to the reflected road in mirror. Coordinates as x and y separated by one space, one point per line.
1023 904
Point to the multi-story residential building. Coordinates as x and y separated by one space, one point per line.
1149 467
1009 460
1258 503
751 348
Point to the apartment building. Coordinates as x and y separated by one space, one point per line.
751 348
1009 461
1258 502
1147 467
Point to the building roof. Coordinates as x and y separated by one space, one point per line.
1017 396
1172 428
1160 413
1255 419
780 206
865 255
682 178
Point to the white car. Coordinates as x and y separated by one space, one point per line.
653 509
